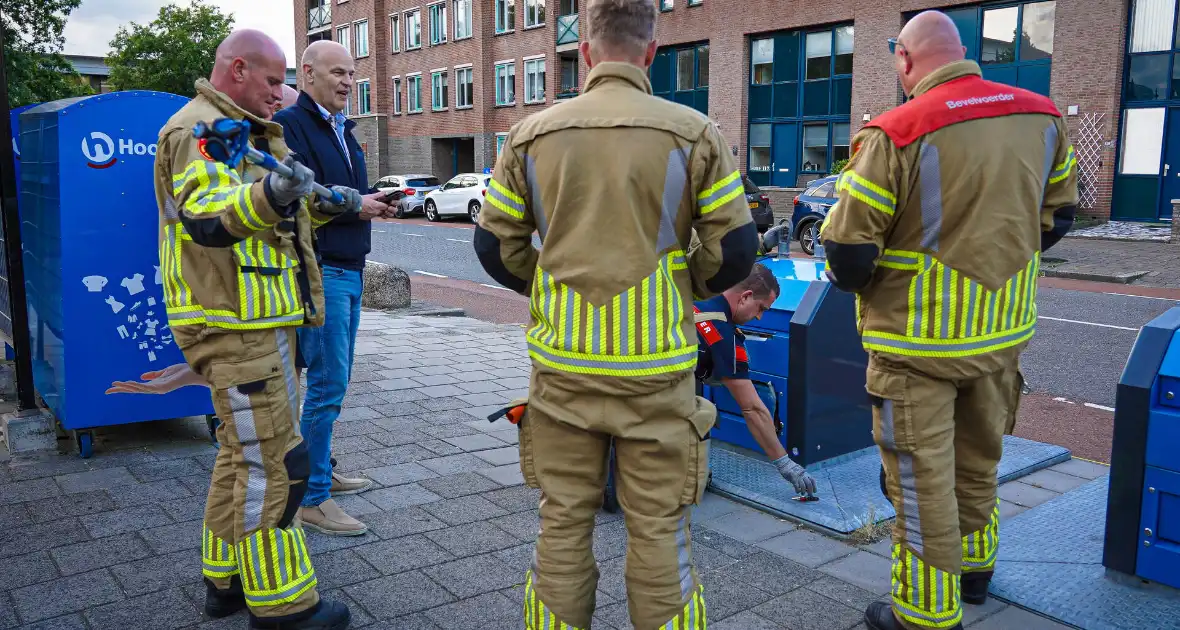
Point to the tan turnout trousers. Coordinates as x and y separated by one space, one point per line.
941 442
663 467
260 474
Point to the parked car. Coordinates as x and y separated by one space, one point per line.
414 186
811 208
759 205
464 194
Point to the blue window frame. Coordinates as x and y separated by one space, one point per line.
681 74
800 99
1012 42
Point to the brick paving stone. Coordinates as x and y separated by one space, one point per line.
440 448
770 573
394 384
1053 480
479 445
459 485
468 577
519 557
400 454
31 490
402 496
356 504
807 547
32 568
197 484
351 429
523 525
510 436
354 462
18 515
499 456
452 464
318 543
804 609
70 505
65 622
185 509
1013 617
158 573
445 431
346 566
1009 509
400 425
178 537
65 595
1112 257
845 593
744 620
610 540
490 610
363 400
496 399
391 557
1081 468
481 387
164 610
509 475
96 554
436 379
446 403
862 569
472 539
415 593
394 410
94 480
516 499
401 474
725 595
416 621
155 471
1024 495
125 520
442 391
394 524
344 445
362 387
750 526
730 547
44 466
464 510
155 492
14 542
356 413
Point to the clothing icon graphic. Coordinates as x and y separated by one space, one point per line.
122 332
134 284
116 305
94 284
159 278
151 302
151 356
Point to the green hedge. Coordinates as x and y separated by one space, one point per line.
838 166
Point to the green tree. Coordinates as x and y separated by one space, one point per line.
33 64
170 53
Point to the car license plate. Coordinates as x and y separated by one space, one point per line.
420 193
753 205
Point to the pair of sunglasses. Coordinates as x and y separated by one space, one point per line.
892 45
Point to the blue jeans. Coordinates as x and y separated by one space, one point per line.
328 353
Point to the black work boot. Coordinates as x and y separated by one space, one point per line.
974 587
223 603
325 615
879 616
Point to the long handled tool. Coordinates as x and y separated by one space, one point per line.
228 141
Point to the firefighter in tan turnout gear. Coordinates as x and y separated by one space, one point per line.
943 213
614 181
239 276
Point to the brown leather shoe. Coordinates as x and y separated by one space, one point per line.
344 485
327 518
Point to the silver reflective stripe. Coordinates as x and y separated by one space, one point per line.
919 305
652 315
918 344
290 379
887 424
993 301
567 318
270 286
494 193
969 286
850 182
301 554
684 556
939 592
1050 153
264 600
530 175
170 212
900 259
258 570
625 323
722 192
971 544
281 557
908 509
930 185
948 314
606 364
243 421
1011 302
294 318
675 179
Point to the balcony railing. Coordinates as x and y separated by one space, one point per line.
567 29
319 17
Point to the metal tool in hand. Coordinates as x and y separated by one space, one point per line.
228 141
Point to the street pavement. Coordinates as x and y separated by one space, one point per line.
113 541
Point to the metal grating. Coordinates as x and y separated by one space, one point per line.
1050 562
1088 145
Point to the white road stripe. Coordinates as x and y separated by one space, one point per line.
1074 321
458 240
379 231
492 286
411 234
1102 407
427 273
1146 297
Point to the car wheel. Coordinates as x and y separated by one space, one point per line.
473 211
431 211
808 236
400 213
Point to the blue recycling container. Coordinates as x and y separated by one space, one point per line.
90 227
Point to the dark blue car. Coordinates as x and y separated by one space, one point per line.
810 209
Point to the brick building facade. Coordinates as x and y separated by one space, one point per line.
788 82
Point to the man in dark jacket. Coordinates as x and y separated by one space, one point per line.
321 137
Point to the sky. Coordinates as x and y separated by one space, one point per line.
92 26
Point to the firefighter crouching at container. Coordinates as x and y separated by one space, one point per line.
239 276
943 212
614 181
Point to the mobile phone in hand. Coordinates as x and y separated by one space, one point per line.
392 196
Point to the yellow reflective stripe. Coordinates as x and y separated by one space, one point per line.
965 347
507 201
217 556
727 189
980 547
537 615
1061 171
616 317
863 190
618 365
923 594
217 189
260 555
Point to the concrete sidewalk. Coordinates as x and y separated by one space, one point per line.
1137 263
114 541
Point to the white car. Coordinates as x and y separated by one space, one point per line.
464 194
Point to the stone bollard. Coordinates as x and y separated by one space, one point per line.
1175 240
29 431
385 287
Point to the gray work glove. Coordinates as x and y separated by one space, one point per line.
352 202
284 191
772 238
795 474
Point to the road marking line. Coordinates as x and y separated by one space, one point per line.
1074 321
427 273
1060 399
458 240
411 234
492 286
1146 297
1102 407
379 231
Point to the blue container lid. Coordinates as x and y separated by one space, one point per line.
794 276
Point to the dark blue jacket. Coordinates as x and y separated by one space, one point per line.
345 241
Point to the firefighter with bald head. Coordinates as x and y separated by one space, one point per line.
943 213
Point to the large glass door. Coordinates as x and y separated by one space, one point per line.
1171 173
